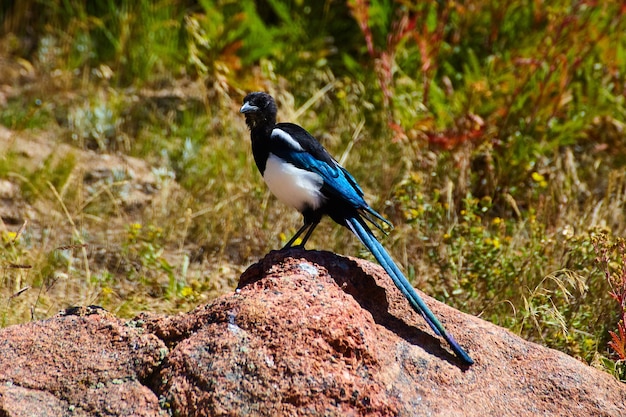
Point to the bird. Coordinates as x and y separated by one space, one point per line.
302 174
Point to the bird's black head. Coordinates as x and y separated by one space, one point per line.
259 109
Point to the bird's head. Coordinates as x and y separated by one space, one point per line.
259 109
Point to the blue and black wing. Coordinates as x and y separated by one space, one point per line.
305 152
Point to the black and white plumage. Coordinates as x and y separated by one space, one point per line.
302 174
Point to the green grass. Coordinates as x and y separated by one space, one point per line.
24 113
491 136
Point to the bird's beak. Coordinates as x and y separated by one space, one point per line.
248 108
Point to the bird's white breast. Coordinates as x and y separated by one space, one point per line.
293 186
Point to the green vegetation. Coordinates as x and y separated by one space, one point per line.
490 132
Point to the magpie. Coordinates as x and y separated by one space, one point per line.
302 174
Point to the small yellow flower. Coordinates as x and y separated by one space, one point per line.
9 236
416 177
539 179
496 221
186 291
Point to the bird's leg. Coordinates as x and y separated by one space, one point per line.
309 233
310 225
297 235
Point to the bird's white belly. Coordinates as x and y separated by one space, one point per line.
293 186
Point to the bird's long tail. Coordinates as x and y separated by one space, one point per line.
365 235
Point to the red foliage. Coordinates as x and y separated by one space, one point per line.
403 26
617 282
618 344
452 138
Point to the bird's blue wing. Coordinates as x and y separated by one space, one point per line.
337 181
295 145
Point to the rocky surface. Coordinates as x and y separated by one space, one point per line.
80 364
306 334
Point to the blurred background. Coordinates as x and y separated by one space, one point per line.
491 133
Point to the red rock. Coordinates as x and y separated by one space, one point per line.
306 334
78 365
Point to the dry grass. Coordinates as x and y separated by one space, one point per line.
499 160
